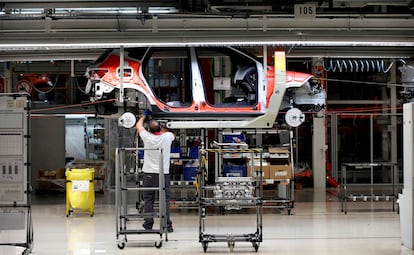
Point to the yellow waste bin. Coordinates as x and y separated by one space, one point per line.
80 192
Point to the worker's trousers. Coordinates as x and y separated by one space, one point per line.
151 180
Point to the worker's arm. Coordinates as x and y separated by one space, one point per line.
140 124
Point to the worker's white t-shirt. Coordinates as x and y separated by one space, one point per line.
152 144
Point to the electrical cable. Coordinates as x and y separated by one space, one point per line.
364 82
71 106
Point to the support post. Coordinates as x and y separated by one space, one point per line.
8 80
121 74
406 198
318 154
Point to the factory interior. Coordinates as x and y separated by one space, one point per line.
293 126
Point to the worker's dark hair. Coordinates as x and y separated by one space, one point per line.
154 126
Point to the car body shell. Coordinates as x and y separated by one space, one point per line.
105 82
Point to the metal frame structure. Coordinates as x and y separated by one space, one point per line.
15 177
372 194
125 215
287 202
334 142
229 193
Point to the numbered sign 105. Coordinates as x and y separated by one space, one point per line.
305 10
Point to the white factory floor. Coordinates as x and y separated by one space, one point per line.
316 226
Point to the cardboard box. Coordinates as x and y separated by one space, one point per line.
265 170
60 173
256 165
280 171
278 150
52 174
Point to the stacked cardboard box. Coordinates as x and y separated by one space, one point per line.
256 167
279 164
280 171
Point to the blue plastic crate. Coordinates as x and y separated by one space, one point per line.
235 171
193 153
189 173
176 152
234 138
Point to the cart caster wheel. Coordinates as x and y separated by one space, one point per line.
121 245
231 246
221 210
91 215
205 246
158 244
255 246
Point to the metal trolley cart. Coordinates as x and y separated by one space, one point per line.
80 191
128 188
230 193
15 179
376 190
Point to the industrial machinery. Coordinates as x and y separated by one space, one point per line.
15 172
407 79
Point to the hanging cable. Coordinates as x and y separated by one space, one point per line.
356 65
78 85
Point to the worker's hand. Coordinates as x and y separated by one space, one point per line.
147 113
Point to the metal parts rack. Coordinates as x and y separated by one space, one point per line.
381 190
278 175
128 180
15 179
229 193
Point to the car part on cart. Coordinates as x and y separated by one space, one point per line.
230 190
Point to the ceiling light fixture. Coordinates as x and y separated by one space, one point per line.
296 43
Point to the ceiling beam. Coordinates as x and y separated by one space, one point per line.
71 36
73 33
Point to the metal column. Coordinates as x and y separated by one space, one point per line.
406 198
318 153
